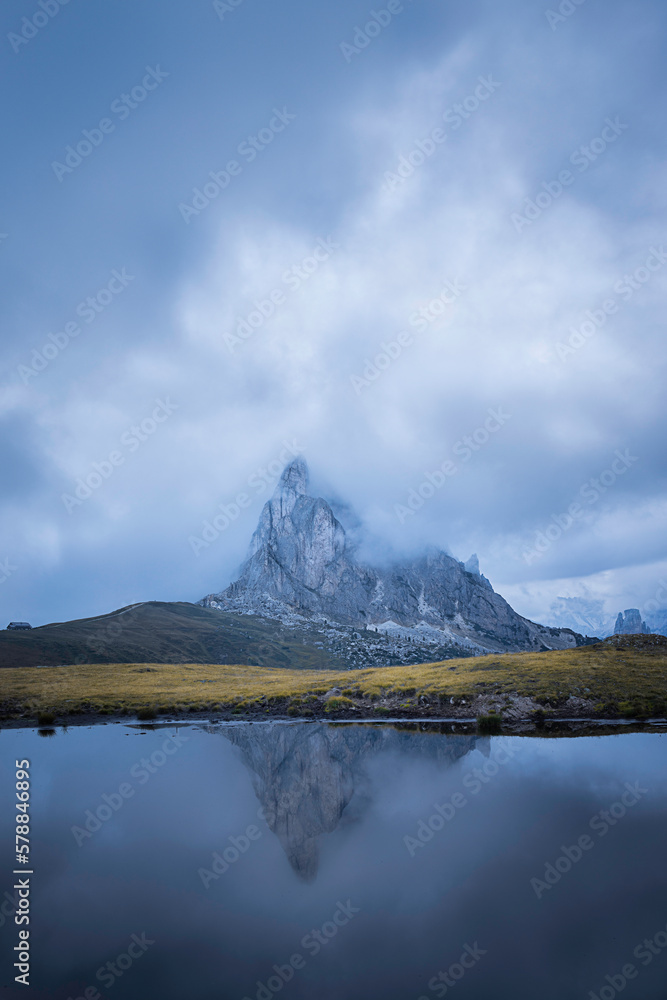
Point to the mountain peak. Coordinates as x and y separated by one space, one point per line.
294 478
472 565
630 621
300 558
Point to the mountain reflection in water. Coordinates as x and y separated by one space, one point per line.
310 778
364 880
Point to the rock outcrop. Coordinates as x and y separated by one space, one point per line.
300 560
630 622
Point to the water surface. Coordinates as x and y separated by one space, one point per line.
339 861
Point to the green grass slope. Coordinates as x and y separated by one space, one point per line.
625 676
157 632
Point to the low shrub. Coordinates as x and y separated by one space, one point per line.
489 725
336 704
146 713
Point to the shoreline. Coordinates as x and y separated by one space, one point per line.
618 683
551 726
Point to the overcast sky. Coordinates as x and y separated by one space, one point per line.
438 221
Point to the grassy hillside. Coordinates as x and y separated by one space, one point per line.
626 675
157 632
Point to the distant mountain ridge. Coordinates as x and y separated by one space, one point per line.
583 614
300 562
587 614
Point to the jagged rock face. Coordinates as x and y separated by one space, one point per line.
308 778
631 622
299 557
298 547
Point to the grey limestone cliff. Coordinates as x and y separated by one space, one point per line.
631 622
300 559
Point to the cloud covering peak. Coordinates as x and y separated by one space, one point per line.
436 270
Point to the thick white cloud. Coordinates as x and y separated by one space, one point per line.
395 246
503 343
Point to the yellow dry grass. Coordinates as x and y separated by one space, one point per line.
605 675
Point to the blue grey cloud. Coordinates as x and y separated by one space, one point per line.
510 155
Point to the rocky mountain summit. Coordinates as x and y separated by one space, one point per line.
301 567
631 622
